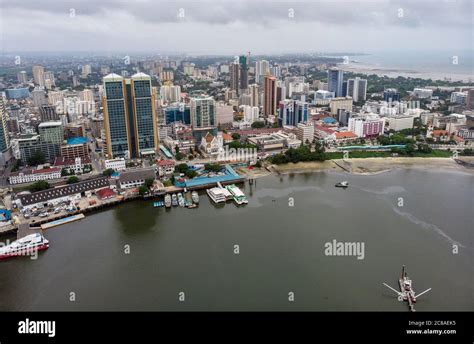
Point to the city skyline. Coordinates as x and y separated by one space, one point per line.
224 27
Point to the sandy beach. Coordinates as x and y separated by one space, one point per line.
369 166
394 73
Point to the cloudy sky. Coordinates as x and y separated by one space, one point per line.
234 26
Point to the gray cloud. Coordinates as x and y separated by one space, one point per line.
117 22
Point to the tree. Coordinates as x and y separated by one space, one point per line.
190 174
39 186
236 136
181 168
142 190
258 124
72 180
258 164
108 172
149 182
213 167
37 158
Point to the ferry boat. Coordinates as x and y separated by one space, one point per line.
174 200
217 195
227 194
237 194
195 197
167 201
24 246
343 184
180 200
188 201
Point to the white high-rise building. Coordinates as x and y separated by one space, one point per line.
253 91
86 70
251 113
54 97
38 75
262 68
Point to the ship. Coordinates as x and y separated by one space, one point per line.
406 292
195 197
180 200
237 194
167 201
343 184
217 195
24 246
174 200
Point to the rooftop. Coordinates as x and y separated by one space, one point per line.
76 140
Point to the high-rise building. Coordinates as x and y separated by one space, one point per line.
203 113
49 81
130 119
51 137
39 97
262 68
22 77
270 96
391 95
234 76
86 70
244 72
357 89
48 113
335 81
470 99
253 91
38 75
4 138
291 112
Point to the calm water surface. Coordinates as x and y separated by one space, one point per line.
281 250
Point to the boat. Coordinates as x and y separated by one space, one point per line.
167 201
217 195
174 200
180 200
188 201
343 184
226 192
195 197
237 194
24 246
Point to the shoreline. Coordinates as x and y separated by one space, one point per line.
394 73
373 166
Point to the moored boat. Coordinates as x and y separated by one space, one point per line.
180 200
195 197
237 194
24 246
167 201
217 195
174 200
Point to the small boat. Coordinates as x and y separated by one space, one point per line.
174 200
24 246
180 200
167 201
158 204
187 199
343 184
237 194
195 197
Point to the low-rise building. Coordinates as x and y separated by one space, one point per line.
211 144
117 164
135 178
398 123
305 132
165 167
72 165
28 176
368 125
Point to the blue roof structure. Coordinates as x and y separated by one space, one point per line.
76 140
5 215
230 175
328 120
166 152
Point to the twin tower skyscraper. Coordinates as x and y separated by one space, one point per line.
130 116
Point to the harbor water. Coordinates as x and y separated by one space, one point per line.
268 255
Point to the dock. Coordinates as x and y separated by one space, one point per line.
24 229
62 221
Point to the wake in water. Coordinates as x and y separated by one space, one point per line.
410 217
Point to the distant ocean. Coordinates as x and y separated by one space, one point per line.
435 64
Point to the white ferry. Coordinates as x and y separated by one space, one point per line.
217 195
237 194
24 246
